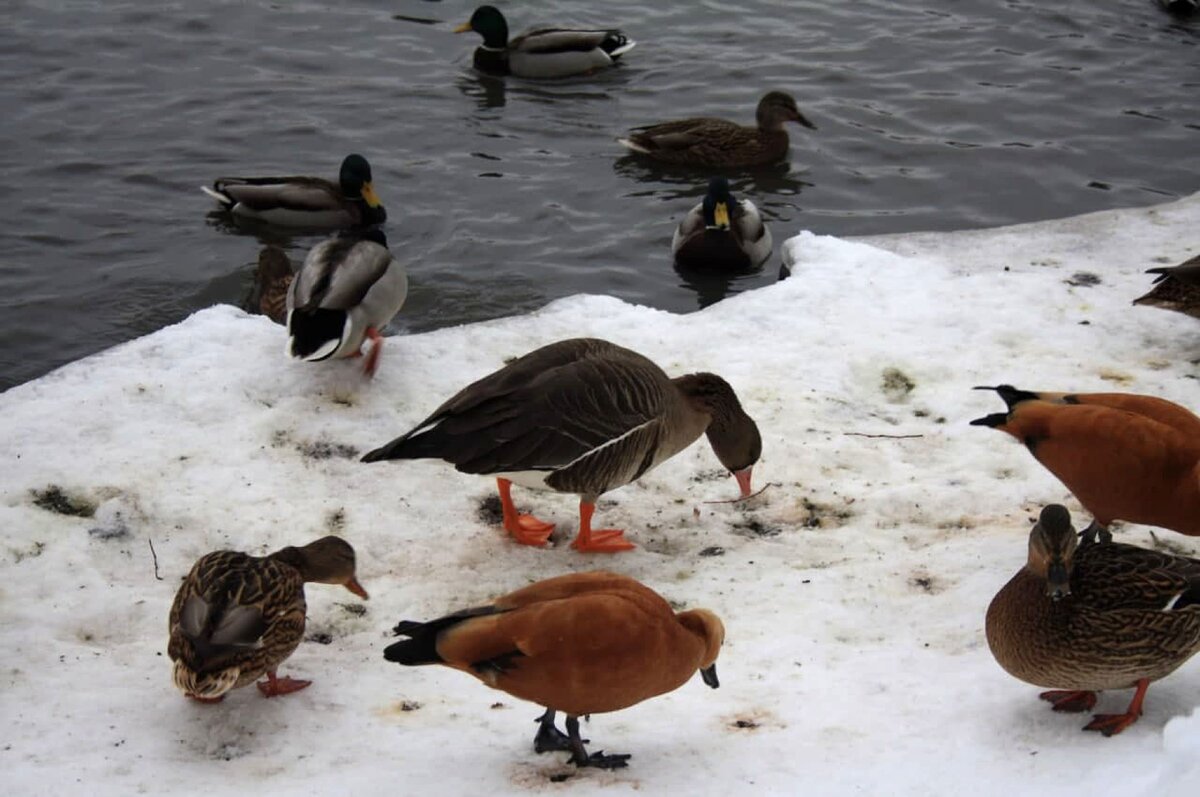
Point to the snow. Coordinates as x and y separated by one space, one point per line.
853 589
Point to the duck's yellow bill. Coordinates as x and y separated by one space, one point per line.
463 28
721 216
369 195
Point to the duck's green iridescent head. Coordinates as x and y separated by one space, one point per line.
355 180
489 23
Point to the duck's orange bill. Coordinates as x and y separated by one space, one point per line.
356 588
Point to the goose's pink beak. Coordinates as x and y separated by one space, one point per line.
743 480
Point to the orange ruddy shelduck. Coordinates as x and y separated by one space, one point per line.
583 643
1124 456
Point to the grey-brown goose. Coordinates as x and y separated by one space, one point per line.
581 416
1081 618
719 143
1175 288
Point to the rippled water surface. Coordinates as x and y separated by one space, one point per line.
504 193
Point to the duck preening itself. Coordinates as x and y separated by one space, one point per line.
584 643
1078 619
581 416
349 287
237 617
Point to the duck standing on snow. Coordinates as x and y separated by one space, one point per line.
543 52
237 616
584 643
1081 619
1124 456
581 416
349 287
1175 288
717 143
721 233
307 202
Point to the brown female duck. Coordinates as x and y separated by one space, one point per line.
1175 288
584 643
238 616
719 143
581 416
1082 618
272 278
1124 456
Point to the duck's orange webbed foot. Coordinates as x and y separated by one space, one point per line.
1070 700
373 352
274 687
598 540
1112 724
525 529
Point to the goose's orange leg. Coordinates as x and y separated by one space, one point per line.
598 540
1112 724
273 687
526 529
1070 699
372 361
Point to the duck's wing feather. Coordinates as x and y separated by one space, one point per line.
271 193
558 40
338 273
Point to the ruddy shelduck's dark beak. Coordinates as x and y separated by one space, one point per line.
709 674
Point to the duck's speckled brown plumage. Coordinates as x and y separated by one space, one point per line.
1124 456
237 617
1125 615
1175 288
718 143
272 278
584 643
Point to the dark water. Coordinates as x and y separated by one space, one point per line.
503 194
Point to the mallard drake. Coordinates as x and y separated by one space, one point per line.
580 416
543 52
1124 456
1079 619
719 143
348 288
1175 288
238 616
310 202
272 279
1182 8
721 233
584 643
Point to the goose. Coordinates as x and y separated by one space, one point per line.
237 617
1124 456
309 202
1079 619
348 288
581 416
719 143
583 643
542 52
